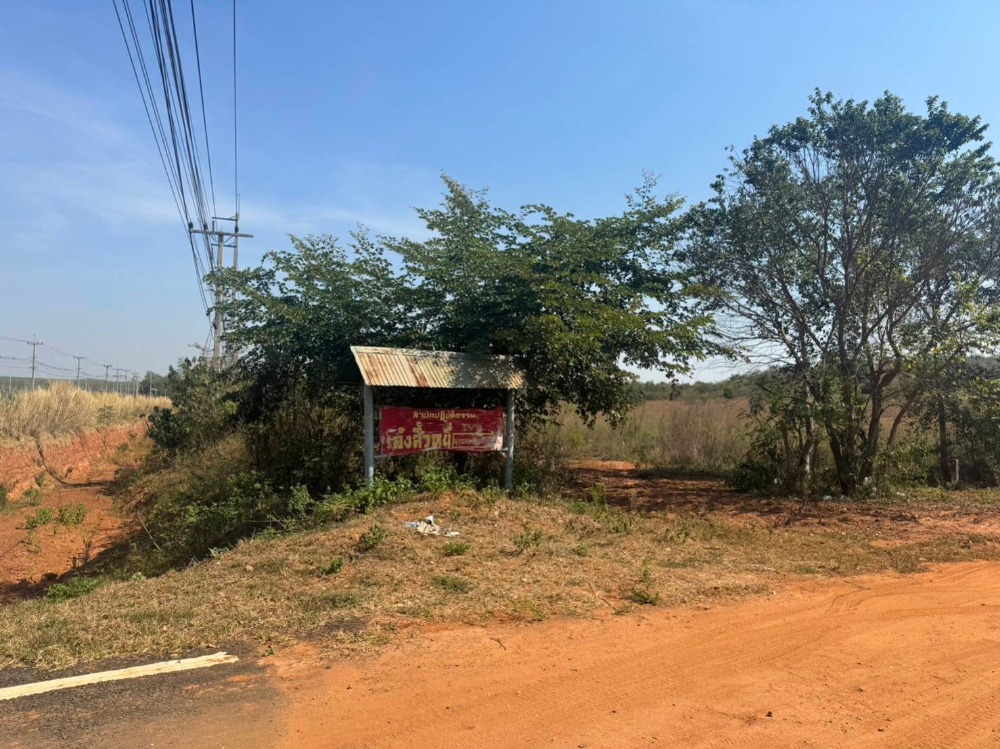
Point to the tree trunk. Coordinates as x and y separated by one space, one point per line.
944 448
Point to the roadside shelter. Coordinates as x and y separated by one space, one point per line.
441 426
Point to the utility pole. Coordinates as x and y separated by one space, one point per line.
118 377
78 360
107 367
220 263
34 343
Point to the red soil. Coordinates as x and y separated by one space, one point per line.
73 472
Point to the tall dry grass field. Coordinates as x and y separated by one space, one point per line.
704 435
62 409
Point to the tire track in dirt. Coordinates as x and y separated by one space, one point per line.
880 661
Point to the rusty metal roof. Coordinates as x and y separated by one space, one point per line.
413 368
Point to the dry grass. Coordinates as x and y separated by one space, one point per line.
525 560
62 409
702 436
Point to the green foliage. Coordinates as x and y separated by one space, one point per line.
336 565
451 583
4 497
455 548
76 587
42 516
528 538
32 496
643 592
72 514
202 410
439 479
372 538
572 300
363 499
857 248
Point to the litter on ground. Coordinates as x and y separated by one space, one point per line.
428 527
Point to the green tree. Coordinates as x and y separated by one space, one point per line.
857 249
575 301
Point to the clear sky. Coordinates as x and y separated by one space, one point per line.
349 111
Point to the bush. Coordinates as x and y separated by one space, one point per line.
72 514
42 516
455 548
372 538
336 565
528 538
78 586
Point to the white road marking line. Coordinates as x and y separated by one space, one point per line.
134 672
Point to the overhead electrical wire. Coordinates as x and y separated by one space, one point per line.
167 104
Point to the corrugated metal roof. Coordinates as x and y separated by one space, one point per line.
398 367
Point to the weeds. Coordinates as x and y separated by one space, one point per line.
372 538
643 593
42 516
72 514
78 586
336 565
528 538
455 548
451 584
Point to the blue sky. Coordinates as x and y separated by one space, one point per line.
349 112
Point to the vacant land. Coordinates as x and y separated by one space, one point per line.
62 410
622 542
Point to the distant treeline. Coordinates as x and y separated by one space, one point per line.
743 385
736 386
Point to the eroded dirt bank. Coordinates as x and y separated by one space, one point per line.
69 474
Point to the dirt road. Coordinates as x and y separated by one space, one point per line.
883 661
878 662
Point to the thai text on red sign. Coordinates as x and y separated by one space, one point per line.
403 431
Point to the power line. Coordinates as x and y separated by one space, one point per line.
201 93
236 151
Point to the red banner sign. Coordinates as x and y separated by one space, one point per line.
403 431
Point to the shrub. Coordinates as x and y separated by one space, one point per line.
42 516
528 538
372 538
438 479
78 586
455 548
72 514
336 565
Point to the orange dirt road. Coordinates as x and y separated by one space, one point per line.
884 661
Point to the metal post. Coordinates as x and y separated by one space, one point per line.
78 360
369 436
508 441
34 343
220 261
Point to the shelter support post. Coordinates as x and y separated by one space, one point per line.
369 436
508 442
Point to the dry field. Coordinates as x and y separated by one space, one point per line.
693 435
62 410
